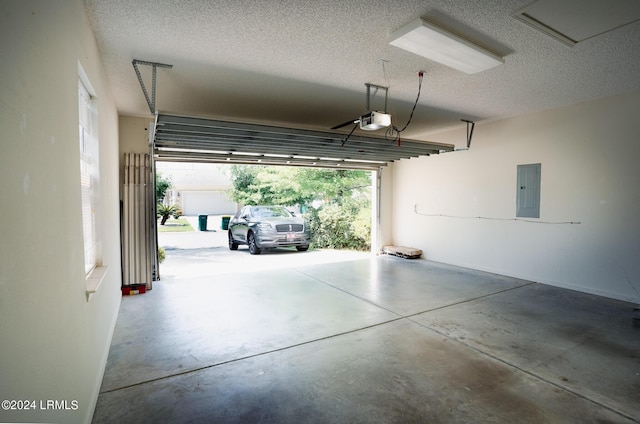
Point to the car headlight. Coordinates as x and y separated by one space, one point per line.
264 226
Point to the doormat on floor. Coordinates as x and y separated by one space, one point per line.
403 252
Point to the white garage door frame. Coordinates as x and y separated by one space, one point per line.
193 139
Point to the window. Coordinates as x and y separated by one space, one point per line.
89 171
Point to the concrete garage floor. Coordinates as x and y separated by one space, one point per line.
369 339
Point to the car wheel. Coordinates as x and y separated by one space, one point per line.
232 244
253 247
302 248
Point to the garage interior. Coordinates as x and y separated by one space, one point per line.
379 339
517 180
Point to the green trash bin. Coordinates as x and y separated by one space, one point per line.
202 222
225 222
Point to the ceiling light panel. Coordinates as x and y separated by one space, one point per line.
434 43
572 21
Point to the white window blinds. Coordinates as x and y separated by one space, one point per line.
89 174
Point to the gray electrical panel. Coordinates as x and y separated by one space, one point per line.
528 197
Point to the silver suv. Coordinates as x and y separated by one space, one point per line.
265 227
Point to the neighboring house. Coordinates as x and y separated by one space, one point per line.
198 188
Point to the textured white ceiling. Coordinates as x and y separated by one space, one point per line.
304 63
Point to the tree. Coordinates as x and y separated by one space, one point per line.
162 185
289 186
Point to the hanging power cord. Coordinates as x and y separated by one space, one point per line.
393 133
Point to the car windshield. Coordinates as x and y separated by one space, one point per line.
270 212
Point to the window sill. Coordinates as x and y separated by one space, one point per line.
94 280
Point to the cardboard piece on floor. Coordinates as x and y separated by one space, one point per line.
403 252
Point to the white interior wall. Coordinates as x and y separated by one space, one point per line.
589 155
54 343
133 134
385 209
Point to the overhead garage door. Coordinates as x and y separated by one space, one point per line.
205 140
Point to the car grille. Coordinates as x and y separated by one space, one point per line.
289 228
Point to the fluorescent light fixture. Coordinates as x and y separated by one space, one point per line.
427 40
275 155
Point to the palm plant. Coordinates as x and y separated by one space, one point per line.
165 211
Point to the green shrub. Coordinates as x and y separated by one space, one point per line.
335 226
161 255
